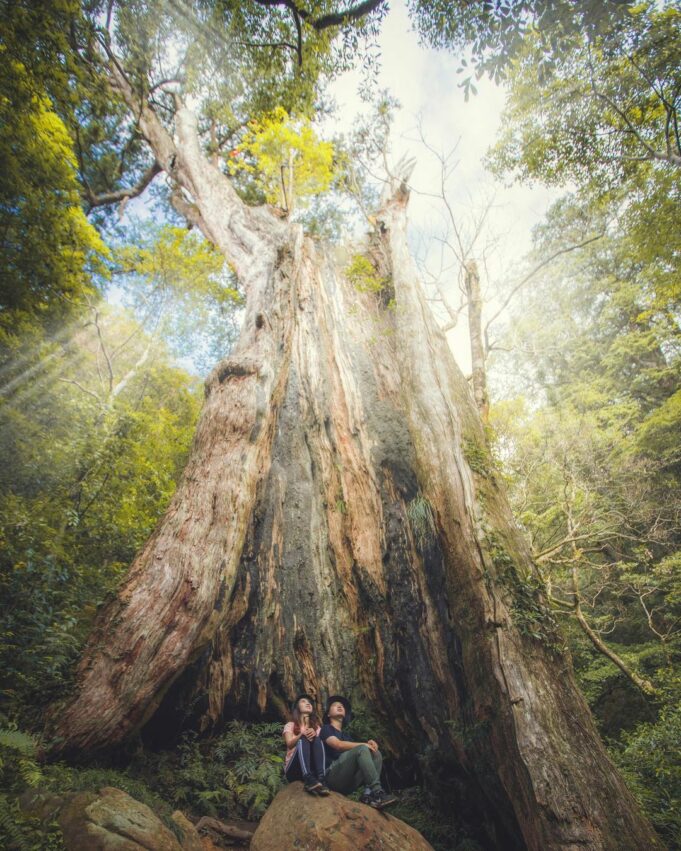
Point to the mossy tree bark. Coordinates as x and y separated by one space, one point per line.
339 525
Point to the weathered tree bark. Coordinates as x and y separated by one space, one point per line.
478 368
292 556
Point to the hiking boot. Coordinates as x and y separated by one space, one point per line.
323 789
312 785
380 799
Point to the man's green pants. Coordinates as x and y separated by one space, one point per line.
354 768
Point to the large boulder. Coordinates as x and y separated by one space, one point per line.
301 822
110 820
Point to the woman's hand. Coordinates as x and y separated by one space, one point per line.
292 739
309 734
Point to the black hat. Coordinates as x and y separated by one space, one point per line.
300 697
338 698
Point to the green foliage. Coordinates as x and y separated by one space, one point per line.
492 35
422 520
529 611
234 61
649 760
18 766
49 249
362 274
235 775
20 771
180 285
86 475
290 163
588 433
20 832
600 113
479 458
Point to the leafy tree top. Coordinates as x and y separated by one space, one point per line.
289 161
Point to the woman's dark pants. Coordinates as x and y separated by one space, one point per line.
308 760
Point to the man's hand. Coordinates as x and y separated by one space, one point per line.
373 746
309 734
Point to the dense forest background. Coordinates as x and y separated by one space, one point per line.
112 312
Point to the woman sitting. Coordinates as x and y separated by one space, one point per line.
305 758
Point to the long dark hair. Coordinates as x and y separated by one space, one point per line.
296 715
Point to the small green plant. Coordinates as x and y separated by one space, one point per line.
530 614
422 520
18 766
363 276
20 771
478 457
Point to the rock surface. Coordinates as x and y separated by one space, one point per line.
191 840
113 821
302 822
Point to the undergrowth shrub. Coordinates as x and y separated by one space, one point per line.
650 759
20 771
235 775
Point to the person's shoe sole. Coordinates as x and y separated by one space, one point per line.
313 789
381 805
322 792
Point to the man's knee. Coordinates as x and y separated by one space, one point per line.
361 748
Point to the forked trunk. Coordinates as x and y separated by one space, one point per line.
339 525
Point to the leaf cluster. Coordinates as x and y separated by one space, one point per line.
290 164
235 775
83 482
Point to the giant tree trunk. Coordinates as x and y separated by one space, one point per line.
339 526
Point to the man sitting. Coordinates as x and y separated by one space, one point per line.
352 764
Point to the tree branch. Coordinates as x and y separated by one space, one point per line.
652 154
80 387
125 194
332 19
640 682
537 269
354 13
103 348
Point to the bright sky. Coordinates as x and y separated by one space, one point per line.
425 82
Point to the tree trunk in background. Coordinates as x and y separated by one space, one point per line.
478 368
339 526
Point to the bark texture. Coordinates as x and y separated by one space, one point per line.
340 526
479 376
